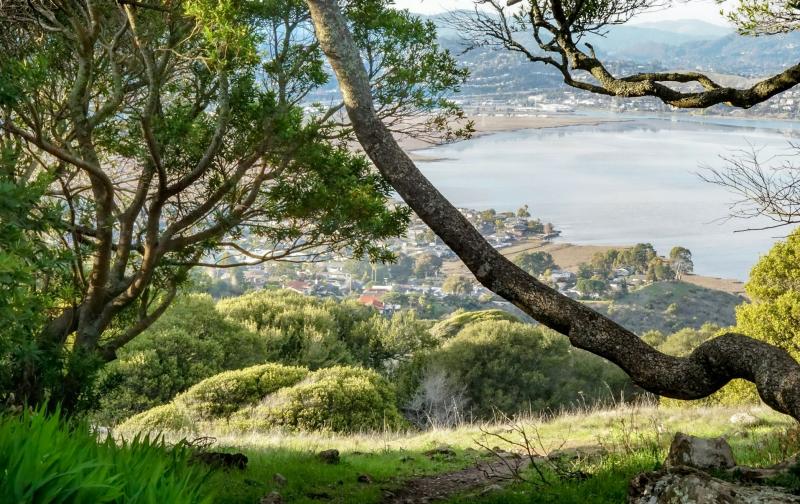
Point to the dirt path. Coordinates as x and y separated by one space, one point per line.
437 487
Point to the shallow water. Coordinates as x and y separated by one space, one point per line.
620 183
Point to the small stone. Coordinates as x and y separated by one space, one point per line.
364 478
272 498
279 479
700 453
329 456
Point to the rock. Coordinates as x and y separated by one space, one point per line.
686 485
441 451
329 456
221 459
279 479
271 498
745 420
700 453
364 478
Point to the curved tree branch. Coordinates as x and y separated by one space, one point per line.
558 28
708 368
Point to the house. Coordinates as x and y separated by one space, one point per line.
372 301
562 276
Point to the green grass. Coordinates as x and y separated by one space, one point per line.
311 480
45 459
616 444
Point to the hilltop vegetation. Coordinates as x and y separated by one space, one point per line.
671 306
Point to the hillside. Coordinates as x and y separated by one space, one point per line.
671 306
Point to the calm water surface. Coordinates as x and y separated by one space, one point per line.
619 183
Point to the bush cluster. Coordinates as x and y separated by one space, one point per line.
337 399
270 396
501 366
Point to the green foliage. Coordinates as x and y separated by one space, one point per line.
591 286
33 278
449 327
458 285
190 342
535 263
681 260
427 264
44 459
513 367
218 144
683 342
774 287
303 330
637 259
215 398
651 307
223 394
337 399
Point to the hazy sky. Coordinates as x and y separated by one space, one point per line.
695 9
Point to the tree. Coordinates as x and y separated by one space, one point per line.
458 285
535 263
589 287
681 261
168 133
774 288
697 375
427 264
523 212
552 32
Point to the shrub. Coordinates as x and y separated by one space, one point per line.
169 417
302 330
511 367
223 394
338 399
44 459
190 342
450 326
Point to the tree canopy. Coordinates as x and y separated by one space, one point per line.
171 136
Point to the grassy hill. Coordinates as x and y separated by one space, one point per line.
671 306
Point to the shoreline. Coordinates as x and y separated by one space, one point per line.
488 125
569 256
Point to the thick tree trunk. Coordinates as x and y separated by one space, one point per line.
708 368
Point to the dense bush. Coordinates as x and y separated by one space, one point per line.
315 333
338 399
190 342
450 326
272 396
215 398
510 367
223 394
43 459
303 330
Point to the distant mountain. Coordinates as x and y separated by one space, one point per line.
690 27
662 45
